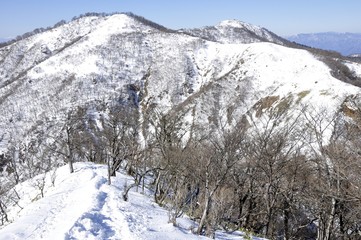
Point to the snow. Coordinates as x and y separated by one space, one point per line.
238 24
275 70
82 205
226 25
98 66
111 25
354 67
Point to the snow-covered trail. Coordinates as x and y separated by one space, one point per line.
83 206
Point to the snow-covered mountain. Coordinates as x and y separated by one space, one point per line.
97 58
213 78
344 43
234 31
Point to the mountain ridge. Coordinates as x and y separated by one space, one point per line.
345 43
234 31
84 47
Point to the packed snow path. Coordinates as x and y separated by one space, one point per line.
82 205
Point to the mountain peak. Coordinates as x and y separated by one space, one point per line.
235 32
238 24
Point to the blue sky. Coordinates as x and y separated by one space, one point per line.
283 17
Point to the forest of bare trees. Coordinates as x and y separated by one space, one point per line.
275 176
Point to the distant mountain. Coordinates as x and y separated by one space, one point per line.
3 40
344 43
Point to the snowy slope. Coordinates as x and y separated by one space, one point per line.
234 31
83 206
252 72
95 59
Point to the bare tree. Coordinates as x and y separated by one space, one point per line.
117 136
68 141
218 157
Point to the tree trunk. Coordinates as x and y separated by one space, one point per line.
15 161
204 215
330 219
70 149
156 188
207 199
269 218
4 216
109 171
251 206
70 161
342 223
126 190
286 216
241 201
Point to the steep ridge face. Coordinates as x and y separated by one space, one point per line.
118 57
